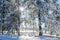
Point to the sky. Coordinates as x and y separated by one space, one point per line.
58 2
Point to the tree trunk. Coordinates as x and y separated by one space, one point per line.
40 29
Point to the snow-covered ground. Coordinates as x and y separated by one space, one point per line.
8 37
14 37
37 38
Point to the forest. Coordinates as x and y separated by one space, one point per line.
30 17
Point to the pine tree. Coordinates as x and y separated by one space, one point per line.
9 16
